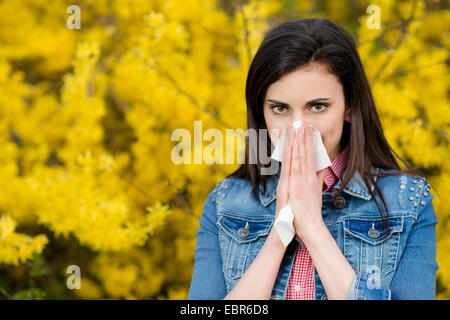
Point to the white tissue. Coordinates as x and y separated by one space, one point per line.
284 222
284 225
320 153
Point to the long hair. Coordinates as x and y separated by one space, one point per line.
295 44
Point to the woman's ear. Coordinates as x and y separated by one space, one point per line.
348 118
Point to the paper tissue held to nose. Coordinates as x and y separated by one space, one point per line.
284 222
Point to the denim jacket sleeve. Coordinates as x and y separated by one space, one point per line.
207 280
415 276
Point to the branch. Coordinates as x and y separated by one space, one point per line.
177 86
5 293
122 105
194 101
246 33
439 132
421 67
381 34
404 24
189 211
181 194
218 34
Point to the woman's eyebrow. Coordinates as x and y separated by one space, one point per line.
309 102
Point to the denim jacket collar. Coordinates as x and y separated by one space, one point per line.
356 187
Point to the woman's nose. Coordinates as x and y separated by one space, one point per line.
299 115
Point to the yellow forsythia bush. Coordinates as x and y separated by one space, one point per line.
86 118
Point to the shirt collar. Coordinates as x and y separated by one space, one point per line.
334 172
356 187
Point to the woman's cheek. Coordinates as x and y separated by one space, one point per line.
275 135
325 141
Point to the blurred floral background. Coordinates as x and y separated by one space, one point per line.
86 117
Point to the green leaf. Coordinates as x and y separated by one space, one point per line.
30 294
37 266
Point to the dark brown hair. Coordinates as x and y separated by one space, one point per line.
299 43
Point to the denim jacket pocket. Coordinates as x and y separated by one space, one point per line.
241 238
371 249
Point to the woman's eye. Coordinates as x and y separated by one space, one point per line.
321 106
278 109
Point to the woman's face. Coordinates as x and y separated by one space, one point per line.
310 93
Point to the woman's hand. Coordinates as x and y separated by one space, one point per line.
283 182
305 185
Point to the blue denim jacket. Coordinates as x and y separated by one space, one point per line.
234 225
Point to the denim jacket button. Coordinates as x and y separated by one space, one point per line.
243 232
374 233
339 202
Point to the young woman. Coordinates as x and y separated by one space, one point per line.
365 229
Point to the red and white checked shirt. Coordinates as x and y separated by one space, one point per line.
301 281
